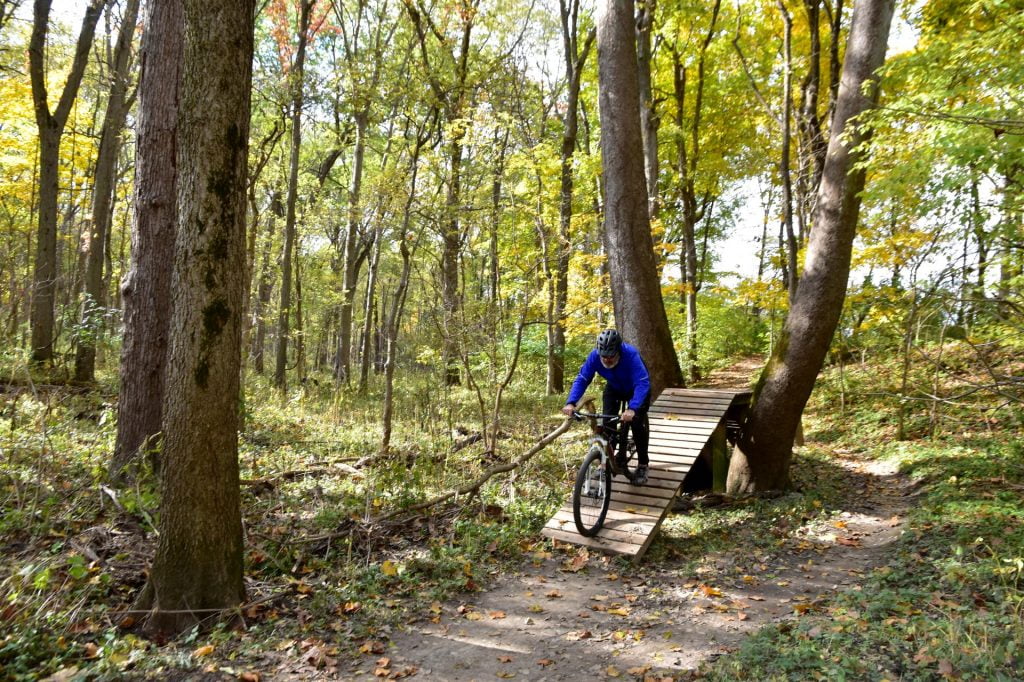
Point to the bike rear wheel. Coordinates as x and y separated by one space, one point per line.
591 494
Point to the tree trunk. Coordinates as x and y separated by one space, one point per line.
761 462
649 121
197 570
94 300
636 289
296 75
351 260
51 128
575 59
792 246
146 289
265 288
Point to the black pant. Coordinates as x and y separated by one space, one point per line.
612 403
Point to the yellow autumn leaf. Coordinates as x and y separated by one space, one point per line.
612 671
619 612
389 568
203 651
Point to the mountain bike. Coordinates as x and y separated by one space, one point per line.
592 491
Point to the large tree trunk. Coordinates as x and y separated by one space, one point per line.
146 289
51 128
284 313
94 300
761 462
197 569
636 290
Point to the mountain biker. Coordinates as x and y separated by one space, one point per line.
627 382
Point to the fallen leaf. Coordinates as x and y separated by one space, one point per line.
639 670
578 562
945 668
91 650
203 651
535 608
473 615
389 568
372 647
504 659
619 611
612 671
544 662
709 591
249 676
893 522
351 607
839 524
849 542
578 635
554 594
496 615
505 675
384 662
742 616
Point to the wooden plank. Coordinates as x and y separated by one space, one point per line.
627 532
603 544
692 401
681 439
709 392
694 418
688 413
682 453
690 397
619 526
647 510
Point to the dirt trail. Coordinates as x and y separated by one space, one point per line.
598 618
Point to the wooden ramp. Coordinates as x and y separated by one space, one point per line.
683 423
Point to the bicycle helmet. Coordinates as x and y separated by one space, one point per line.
609 343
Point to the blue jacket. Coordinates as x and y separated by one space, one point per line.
629 377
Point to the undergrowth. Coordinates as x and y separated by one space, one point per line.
325 582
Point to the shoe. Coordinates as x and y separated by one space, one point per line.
641 475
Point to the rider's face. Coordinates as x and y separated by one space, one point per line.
610 361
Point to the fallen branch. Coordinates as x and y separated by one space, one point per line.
475 486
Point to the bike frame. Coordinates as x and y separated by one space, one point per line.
598 437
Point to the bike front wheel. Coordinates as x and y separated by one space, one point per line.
591 494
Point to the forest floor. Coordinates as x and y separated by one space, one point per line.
573 614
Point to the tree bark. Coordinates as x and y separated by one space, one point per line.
792 246
296 76
146 289
51 128
351 258
649 121
762 460
197 570
94 300
636 289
